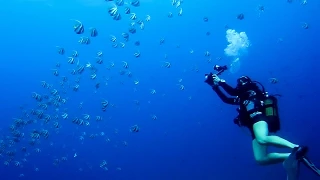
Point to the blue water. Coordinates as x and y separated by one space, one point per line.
193 136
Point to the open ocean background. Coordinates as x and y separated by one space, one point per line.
193 136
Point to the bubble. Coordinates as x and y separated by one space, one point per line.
235 65
238 43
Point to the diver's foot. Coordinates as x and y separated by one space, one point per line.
301 152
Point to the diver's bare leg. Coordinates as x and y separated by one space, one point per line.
263 158
261 132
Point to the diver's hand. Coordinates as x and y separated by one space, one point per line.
213 80
216 79
209 79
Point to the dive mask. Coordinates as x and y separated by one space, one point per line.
243 81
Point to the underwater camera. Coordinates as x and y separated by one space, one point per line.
219 69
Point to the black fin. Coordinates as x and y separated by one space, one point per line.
292 165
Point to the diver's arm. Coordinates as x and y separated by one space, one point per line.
230 90
223 97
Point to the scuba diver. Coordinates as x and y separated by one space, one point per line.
258 112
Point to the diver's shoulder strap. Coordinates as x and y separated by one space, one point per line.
306 161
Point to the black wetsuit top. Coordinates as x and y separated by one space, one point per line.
230 90
250 100
248 97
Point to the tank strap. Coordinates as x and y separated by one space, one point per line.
267 106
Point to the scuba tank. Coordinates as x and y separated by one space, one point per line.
271 106
271 111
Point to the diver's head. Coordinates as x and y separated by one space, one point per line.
243 81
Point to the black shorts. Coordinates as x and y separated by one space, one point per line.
273 123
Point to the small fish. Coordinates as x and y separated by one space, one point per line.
273 80
135 3
60 50
116 16
127 10
93 32
78 27
119 2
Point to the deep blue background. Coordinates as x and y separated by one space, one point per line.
192 138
